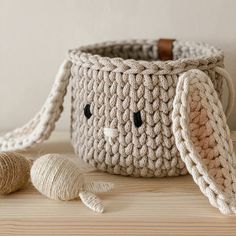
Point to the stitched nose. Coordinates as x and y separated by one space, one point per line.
110 134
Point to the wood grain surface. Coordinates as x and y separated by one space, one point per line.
137 206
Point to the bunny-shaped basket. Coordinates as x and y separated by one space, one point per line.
145 108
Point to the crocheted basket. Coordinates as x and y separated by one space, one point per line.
133 99
145 108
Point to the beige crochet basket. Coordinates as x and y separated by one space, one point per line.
145 108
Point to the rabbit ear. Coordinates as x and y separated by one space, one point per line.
97 187
91 201
203 139
41 126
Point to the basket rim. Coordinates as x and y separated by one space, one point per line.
84 59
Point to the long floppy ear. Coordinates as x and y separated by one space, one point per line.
203 139
41 126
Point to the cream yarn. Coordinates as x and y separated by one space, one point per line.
203 139
53 175
14 172
61 179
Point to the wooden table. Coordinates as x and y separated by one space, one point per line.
156 206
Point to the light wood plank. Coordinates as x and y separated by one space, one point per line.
137 206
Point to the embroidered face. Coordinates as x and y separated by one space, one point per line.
121 123
111 133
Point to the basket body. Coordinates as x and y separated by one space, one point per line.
116 84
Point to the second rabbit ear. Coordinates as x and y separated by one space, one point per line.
203 139
96 187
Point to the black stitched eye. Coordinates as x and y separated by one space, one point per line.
87 111
137 119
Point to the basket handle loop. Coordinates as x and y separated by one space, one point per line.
41 126
229 81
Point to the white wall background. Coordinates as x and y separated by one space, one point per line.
36 34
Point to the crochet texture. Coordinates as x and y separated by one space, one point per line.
144 117
116 88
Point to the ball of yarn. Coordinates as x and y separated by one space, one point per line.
14 172
56 177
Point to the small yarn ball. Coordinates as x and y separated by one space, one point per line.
14 172
56 177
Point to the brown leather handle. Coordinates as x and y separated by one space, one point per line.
164 47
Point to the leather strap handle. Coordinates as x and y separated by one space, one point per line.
165 49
